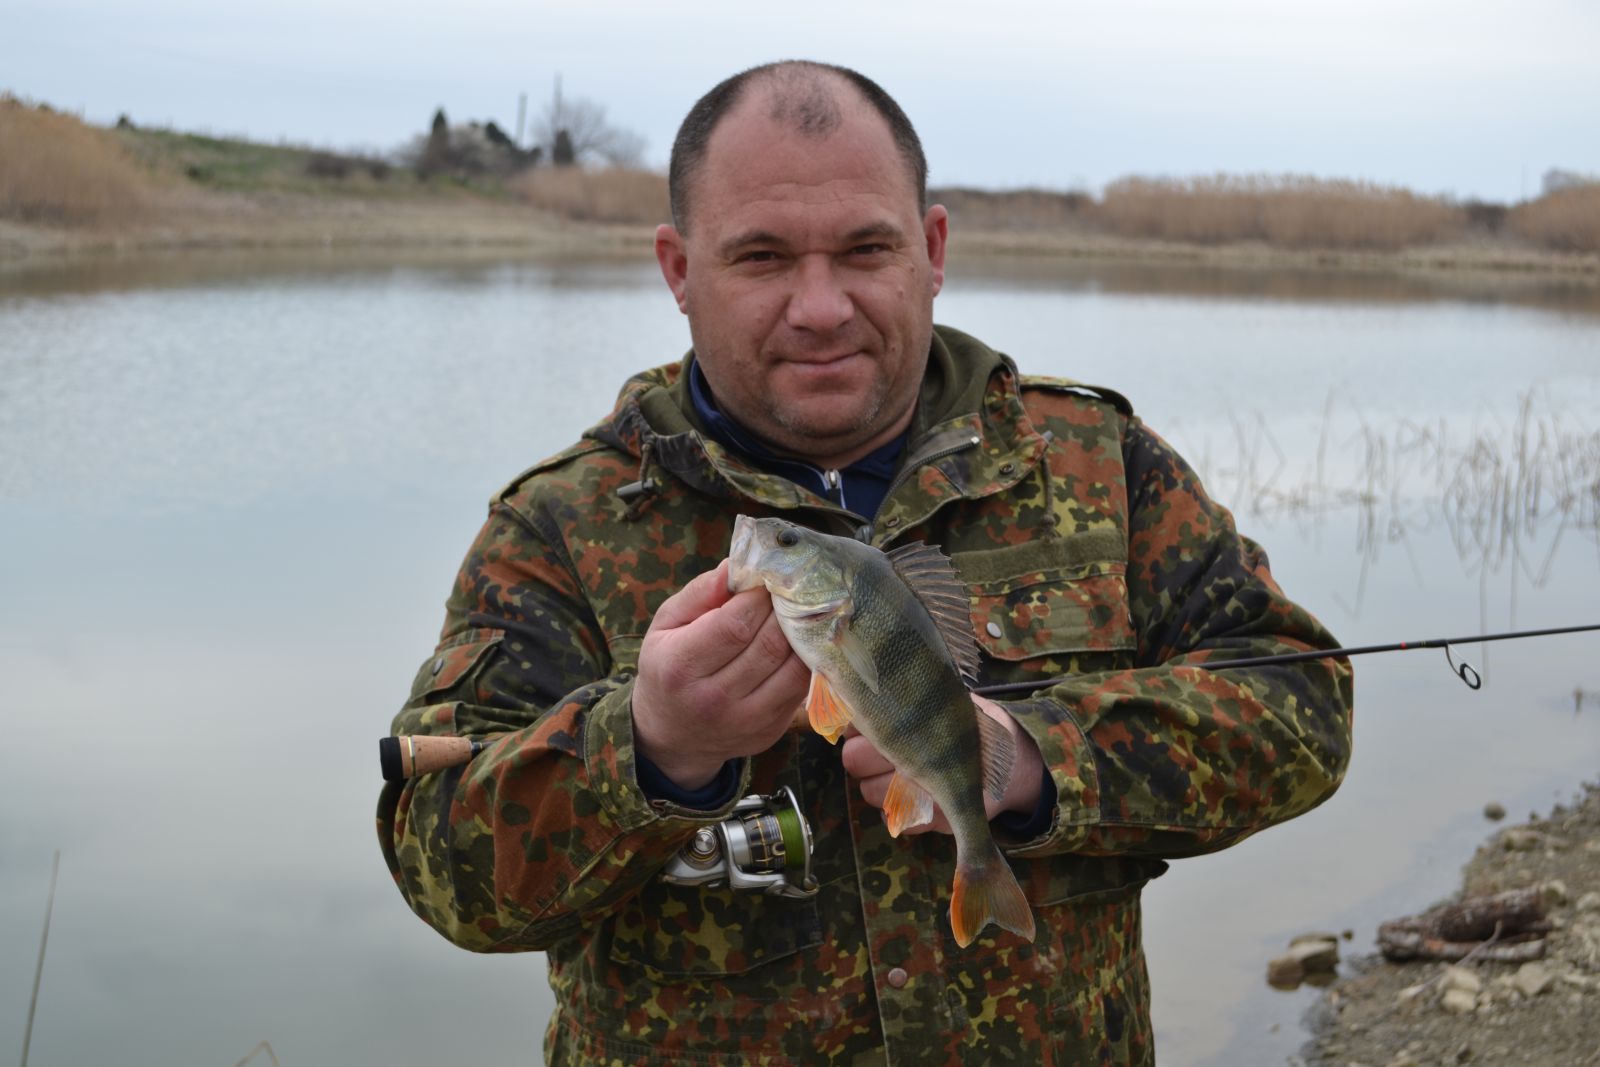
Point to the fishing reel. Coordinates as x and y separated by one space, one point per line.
764 845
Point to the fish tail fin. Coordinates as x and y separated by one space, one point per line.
988 893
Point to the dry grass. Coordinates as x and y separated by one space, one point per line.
1286 212
1012 210
611 195
1567 221
56 170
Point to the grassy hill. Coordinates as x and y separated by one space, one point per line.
66 185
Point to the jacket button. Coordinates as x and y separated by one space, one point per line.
898 977
1007 468
994 629
438 665
892 521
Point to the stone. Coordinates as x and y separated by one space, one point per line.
1533 978
1494 811
1410 993
1458 1002
1456 977
1285 972
1404 1059
1589 902
1315 952
1554 893
1518 839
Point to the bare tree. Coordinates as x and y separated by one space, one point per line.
589 137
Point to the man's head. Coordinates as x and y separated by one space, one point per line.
810 98
804 257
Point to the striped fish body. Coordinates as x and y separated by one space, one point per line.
889 644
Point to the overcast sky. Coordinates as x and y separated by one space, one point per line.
1477 99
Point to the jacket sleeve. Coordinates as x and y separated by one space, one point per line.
1169 759
547 828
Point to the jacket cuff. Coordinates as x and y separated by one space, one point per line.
1070 800
716 794
614 772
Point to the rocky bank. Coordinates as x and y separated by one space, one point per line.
1546 1012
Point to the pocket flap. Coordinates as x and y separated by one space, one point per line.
1051 614
450 664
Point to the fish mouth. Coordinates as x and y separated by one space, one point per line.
742 554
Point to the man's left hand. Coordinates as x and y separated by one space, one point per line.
872 770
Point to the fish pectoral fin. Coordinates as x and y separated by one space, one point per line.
828 714
906 806
998 754
856 652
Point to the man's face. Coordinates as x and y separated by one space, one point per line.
808 275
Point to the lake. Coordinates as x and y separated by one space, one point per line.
234 491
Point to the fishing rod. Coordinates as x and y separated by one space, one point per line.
1463 670
406 757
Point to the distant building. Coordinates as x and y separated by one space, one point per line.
1556 179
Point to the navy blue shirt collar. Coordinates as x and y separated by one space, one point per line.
860 487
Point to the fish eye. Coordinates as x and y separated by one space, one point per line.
788 538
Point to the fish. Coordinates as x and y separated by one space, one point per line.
889 641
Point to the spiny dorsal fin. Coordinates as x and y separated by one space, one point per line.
931 577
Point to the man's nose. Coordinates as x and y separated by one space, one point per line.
819 302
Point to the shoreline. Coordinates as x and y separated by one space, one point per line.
1383 1014
412 226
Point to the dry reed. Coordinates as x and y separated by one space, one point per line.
1287 212
1012 209
1567 221
610 195
55 169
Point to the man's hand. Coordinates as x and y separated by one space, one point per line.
717 680
868 766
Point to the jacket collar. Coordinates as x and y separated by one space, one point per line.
969 437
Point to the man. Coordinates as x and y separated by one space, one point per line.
630 700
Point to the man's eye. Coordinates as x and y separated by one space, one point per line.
761 256
868 250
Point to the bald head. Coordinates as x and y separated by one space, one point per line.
811 99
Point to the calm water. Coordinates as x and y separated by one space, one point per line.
233 495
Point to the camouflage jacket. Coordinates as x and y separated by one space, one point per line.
1090 551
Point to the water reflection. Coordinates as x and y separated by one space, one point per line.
1576 292
252 268
233 495
1507 494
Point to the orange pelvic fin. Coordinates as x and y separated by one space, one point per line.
988 894
907 805
829 715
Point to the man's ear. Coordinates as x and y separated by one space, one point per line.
674 260
936 231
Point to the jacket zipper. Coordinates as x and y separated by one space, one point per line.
864 533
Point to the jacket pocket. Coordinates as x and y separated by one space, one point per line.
1049 600
674 931
450 664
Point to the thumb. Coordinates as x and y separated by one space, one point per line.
705 592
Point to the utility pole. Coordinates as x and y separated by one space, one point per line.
522 114
38 972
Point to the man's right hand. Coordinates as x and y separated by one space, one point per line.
717 680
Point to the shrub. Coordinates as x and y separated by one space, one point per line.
1567 220
55 169
610 195
1291 212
